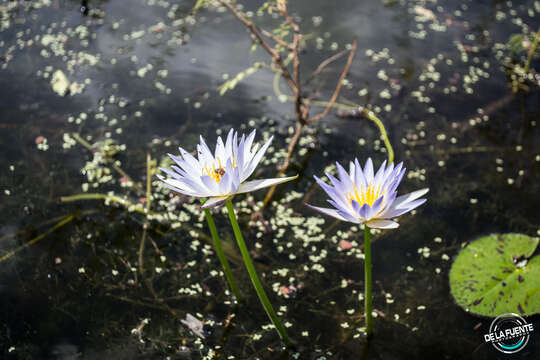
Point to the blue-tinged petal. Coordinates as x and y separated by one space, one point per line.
402 200
348 216
328 211
356 206
364 211
376 207
214 201
344 178
368 171
404 208
335 195
378 180
249 186
388 171
346 212
382 224
397 181
338 185
359 178
340 190
388 199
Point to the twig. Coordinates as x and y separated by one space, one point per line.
338 87
253 29
283 168
327 62
66 220
231 254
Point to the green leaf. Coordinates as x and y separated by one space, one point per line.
494 274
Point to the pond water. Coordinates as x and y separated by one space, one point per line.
144 78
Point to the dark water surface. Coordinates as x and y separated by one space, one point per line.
150 73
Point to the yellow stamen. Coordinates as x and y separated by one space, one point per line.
217 173
365 197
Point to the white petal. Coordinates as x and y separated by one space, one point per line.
328 211
248 154
382 224
180 186
404 199
255 160
204 153
368 171
249 186
214 201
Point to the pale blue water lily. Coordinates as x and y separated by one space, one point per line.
219 175
365 197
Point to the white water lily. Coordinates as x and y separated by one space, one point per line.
363 197
219 175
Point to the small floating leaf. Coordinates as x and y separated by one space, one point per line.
60 83
495 274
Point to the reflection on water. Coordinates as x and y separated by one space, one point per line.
145 74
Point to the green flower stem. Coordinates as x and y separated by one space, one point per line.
221 255
367 281
254 278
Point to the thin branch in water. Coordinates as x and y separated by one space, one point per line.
338 86
63 222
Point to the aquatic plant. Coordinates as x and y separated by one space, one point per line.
364 197
497 274
283 45
218 177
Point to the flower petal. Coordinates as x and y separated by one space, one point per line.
214 201
328 211
404 208
368 171
344 178
400 201
382 224
249 186
256 159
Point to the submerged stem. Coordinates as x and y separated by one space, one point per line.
367 280
221 255
254 277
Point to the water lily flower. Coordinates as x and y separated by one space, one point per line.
364 197
219 175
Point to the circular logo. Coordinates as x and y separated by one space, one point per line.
510 333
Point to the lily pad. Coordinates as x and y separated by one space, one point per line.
495 274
